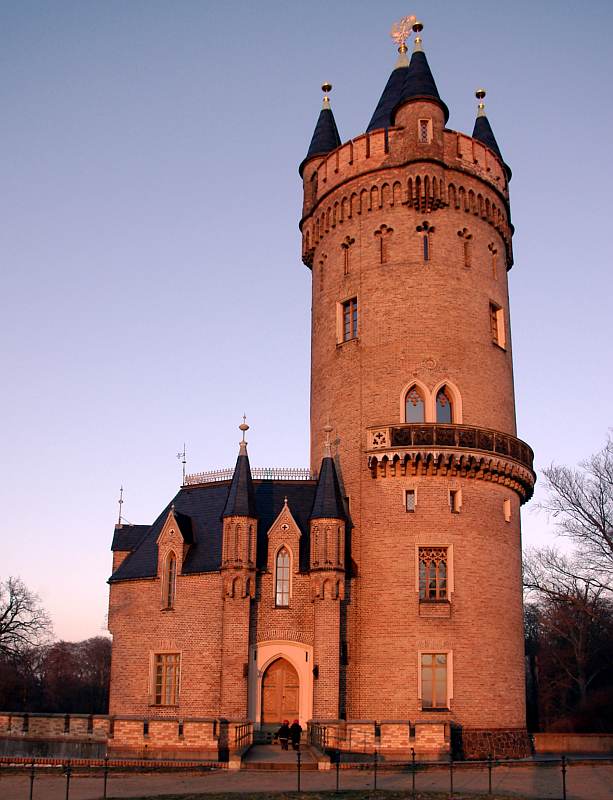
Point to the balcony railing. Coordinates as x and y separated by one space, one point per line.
257 473
461 437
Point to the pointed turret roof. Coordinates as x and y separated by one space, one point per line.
382 117
325 136
419 83
484 133
328 502
241 497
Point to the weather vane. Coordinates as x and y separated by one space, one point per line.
183 460
401 31
120 503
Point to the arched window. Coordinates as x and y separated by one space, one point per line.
414 405
444 408
170 580
282 578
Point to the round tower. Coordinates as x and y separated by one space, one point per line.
407 232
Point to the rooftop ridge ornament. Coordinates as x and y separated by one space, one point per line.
480 94
244 428
417 29
401 31
326 88
120 501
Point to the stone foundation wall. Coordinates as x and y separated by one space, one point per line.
504 743
392 738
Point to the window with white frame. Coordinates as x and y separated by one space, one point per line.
282 567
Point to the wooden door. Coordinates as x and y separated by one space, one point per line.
279 693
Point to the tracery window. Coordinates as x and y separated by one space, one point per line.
444 408
282 578
434 681
166 683
432 573
414 405
170 580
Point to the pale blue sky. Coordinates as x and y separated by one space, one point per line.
151 278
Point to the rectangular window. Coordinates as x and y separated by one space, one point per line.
409 499
506 509
166 679
423 131
497 325
349 320
455 500
426 247
434 681
432 573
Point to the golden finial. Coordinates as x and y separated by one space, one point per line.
401 31
417 29
244 428
480 94
325 88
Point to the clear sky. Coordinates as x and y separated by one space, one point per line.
152 288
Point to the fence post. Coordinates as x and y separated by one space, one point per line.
298 757
376 769
68 771
32 775
338 769
413 772
451 780
563 777
106 776
489 774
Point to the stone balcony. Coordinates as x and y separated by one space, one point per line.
455 450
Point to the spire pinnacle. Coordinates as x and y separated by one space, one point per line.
244 428
417 29
480 94
120 501
326 88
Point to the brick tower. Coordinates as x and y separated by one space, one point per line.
407 232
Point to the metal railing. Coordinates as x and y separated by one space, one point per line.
257 473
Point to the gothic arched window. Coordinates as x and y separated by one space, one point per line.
170 580
414 406
282 578
444 407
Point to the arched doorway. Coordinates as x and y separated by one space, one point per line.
280 689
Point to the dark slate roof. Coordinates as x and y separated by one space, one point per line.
382 118
241 501
204 506
419 84
325 137
185 526
484 133
328 497
126 537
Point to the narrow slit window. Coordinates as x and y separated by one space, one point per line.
350 319
497 325
426 247
455 501
170 581
423 131
409 500
282 579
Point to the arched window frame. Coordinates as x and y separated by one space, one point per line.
456 401
285 594
424 399
425 393
169 581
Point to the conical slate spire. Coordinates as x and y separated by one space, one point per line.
325 136
419 83
483 131
382 117
241 497
328 502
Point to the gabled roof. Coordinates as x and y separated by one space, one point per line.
241 501
325 137
204 506
126 537
328 502
419 84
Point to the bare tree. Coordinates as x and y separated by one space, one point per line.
574 616
581 501
23 621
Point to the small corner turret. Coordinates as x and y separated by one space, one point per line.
483 131
325 136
